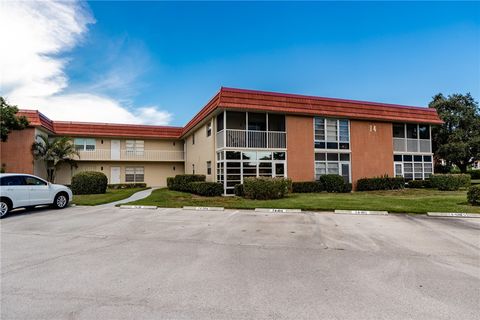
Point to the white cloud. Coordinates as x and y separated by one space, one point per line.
35 38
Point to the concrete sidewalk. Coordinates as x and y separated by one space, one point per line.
134 197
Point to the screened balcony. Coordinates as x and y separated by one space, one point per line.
411 138
251 130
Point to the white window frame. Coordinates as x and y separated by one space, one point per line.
136 172
340 162
326 137
85 144
135 147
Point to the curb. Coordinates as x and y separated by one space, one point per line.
453 214
271 210
362 212
203 208
137 207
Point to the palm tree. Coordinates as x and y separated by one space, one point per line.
54 152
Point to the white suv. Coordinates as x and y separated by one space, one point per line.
24 191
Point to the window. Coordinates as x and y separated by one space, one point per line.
332 163
84 144
332 133
257 121
413 166
193 168
134 174
12 181
135 147
209 129
276 122
412 131
424 131
32 181
209 167
193 138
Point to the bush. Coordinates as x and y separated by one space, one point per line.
264 188
347 188
450 182
127 185
418 184
239 191
170 182
307 186
89 182
206 189
474 174
181 182
380 183
473 195
332 182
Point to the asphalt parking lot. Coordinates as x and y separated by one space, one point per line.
111 263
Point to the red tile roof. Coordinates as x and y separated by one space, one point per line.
91 129
247 100
252 100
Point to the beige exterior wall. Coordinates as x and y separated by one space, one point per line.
149 144
202 151
155 173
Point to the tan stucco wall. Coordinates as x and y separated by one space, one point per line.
371 144
202 151
300 148
155 173
149 144
15 153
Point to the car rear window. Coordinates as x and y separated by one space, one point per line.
12 181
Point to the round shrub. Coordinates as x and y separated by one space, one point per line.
473 195
89 182
307 187
347 188
265 188
239 191
450 182
206 189
181 182
332 182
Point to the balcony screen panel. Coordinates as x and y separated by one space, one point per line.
220 122
236 120
257 121
412 131
343 128
424 131
399 130
276 122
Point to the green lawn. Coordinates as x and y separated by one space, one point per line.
408 201
110 196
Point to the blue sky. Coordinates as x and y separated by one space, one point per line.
175 56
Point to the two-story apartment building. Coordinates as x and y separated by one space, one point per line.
245 133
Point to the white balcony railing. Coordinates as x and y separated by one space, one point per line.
146 155
251 139
412 145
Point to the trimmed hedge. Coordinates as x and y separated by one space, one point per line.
418 184
206 189
181 182
474 174
265 188
307 187
332 183
380 183
127 185
450 182
89 182
347 188
239 191
473 195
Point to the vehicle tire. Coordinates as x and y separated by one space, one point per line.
60 201
5 208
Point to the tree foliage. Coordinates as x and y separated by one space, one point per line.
457 141
54 152
9 120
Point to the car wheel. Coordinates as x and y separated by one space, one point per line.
4 208
60 201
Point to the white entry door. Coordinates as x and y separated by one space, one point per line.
115 150
114 175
